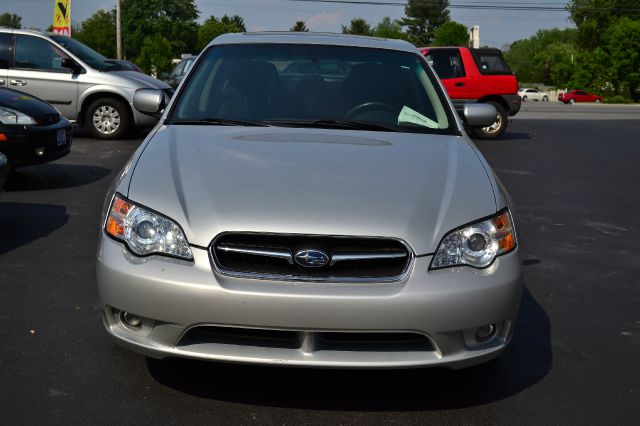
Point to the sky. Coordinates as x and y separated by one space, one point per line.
497 27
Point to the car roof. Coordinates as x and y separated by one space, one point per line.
333 39
29 32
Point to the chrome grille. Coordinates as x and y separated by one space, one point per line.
299 257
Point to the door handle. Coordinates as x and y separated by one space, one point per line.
18 83
460 84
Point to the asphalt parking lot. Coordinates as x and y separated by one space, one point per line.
573 173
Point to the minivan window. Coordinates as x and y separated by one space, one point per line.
263 83
86 54
5 50
39 54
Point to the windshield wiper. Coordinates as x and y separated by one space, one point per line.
223 122
335 124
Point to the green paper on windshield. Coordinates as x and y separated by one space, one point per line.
407 115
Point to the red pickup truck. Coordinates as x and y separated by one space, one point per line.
477 75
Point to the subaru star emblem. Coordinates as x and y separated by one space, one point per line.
311 258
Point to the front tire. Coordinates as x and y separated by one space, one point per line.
572 101
108 119
496 129
524 98
597 101
545 99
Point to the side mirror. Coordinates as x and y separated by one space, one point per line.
479 115
69 63
149 101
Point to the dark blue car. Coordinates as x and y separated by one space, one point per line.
31 130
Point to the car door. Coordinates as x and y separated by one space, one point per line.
582 96
447 63
38 71
5 57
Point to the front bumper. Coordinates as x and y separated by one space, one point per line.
171 297
30 145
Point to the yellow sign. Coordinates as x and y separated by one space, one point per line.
62 17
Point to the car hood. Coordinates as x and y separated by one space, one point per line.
212 179
25 103
136 80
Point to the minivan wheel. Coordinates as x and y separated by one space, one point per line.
496 129
107 118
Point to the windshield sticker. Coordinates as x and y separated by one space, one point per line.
407 115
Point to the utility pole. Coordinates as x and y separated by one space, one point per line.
118 32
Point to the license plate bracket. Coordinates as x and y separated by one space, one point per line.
61 137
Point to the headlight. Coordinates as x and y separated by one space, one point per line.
477 244
11 116
145 232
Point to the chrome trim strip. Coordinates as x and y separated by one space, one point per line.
279 254
366 256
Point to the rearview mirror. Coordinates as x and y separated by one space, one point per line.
149 101
479 115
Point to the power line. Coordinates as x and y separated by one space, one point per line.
484 6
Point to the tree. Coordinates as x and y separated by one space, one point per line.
592 70
358 26
451 34
547 57
388 28
552 64
11 20
593 17
299 26
214 27
99 32
153 58
173 20
423 18
622 44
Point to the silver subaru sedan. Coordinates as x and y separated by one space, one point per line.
310 200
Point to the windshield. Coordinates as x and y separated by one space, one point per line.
86 54
313 86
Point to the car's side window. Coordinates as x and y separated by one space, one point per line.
177 72
446 63
5 50
532 91
188 65
38 54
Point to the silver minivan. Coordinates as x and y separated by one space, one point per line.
83 85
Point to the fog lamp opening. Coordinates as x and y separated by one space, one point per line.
131 320
486 333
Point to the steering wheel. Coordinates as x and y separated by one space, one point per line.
368 106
